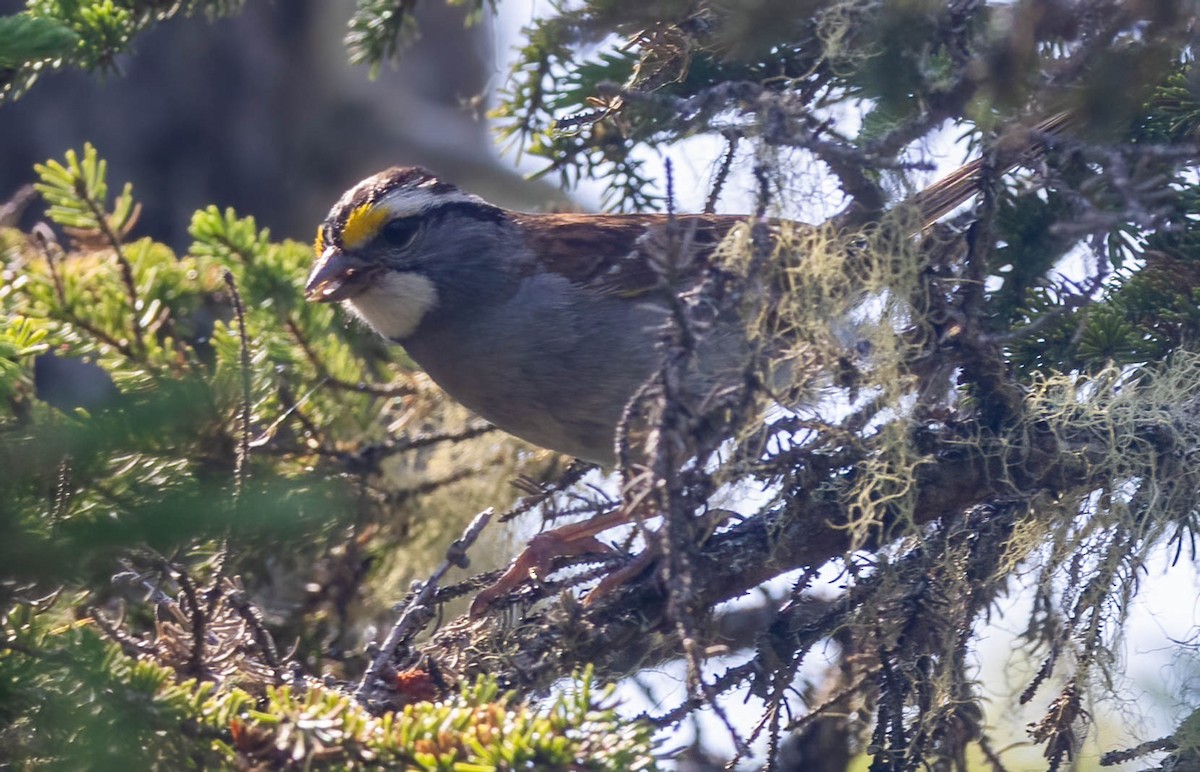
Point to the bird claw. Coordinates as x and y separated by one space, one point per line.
536 562
621 576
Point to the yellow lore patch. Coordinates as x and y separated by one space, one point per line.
362 224
319 244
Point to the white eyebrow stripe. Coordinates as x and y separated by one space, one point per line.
407 202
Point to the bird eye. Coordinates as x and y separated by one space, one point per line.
400 232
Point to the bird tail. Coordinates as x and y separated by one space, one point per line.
1019 148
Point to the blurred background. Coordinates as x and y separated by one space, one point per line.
261 112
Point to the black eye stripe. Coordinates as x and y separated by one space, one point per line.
476 210
400 232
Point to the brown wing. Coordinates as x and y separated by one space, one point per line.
622 254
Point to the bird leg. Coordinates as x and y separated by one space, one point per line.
621 576
535 561
713 520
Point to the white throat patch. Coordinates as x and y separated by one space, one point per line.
396 305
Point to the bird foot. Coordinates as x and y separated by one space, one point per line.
536 562
621 576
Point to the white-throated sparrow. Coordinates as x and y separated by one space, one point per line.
544 324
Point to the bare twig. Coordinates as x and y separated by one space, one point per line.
370 455
242 458
115 243
197 614
11 210
1112 758
991 754
574 474
362 387
243 451
718 184
130 645
262 638
419 610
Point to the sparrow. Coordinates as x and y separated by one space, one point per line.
543 324
547 324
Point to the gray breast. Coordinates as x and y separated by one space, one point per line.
551 364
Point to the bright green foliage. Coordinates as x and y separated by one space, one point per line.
123 389
103 28
380 29
77 192
479 729
226 237
94 706
19 339
141 429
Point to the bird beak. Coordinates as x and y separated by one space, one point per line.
336 276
